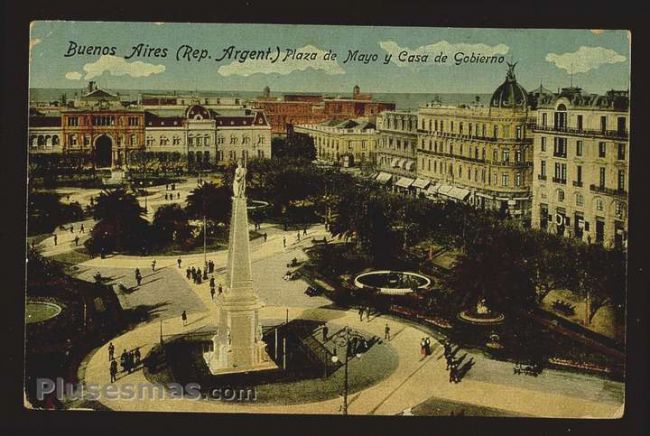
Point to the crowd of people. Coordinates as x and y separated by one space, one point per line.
457 369
129 361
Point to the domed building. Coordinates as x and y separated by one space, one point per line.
480 155
510 94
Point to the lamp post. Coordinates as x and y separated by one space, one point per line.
354 344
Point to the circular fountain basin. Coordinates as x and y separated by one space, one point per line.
481 319
257 204
392 282
40 311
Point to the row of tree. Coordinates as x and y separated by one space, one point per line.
509 266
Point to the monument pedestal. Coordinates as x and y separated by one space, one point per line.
238 344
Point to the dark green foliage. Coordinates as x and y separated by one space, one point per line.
46 212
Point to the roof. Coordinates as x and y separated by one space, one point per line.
510 94
43 121
99 93
153 120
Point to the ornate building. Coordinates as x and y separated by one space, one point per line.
105 130
481 155
581 166
349 142
396 156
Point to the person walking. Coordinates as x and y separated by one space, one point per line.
178 196
179 261
137 356
76 241
81 229
220 289
153 265
138 276
113 370
387 332
368 313
71 228
284 241
298 236
184 318
123 357
427 346
212 292
56 240
361 309
326 331
111 351
265 236
304 230
188 273
423 349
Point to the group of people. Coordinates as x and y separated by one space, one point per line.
170 187
171 196
457 369
129 361
364 310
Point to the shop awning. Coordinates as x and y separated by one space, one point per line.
404 182
383 178
444 190
421 183
401 163
458 193
409 165
394 162
433 189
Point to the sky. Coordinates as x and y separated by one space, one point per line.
596 60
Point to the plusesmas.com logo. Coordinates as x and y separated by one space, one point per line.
63 391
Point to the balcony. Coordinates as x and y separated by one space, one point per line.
577 183
613 134
608 191
541 177
558 180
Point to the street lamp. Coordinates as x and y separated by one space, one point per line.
354 344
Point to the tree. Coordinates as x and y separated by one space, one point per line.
548 261
170 223
120 223
45 212
210 201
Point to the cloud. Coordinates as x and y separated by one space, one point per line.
118 66
445 47
585 59
264 66
73 75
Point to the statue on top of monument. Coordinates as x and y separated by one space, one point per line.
239 184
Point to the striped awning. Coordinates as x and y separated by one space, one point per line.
394 162
409 165
383 177
421 183
404 182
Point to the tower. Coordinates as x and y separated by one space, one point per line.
237 343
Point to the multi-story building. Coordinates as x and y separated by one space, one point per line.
105 130
481 155
304 109
396 158
348 142
581 161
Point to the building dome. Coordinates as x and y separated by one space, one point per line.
510 94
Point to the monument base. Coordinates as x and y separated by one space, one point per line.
116 178
219 361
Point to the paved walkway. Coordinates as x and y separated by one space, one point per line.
167 291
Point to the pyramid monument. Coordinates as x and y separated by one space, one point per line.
237 343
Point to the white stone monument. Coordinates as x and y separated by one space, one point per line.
237 344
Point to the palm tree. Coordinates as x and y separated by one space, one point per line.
170 223
210 201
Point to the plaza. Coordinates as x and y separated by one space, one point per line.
414 385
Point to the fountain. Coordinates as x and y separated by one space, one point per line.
392 282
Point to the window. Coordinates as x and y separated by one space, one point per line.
518 179
621 180
518 156
246 140
580 200
602 147
544 119
190 140
559 147
506 156
578 148
176 140
504 179
601 178
73 121
495 155
579 123
543 143
621 151
220 140
518 132
620 210
72 139
560 195
603 124
579 174
599 205
233 140
543 168
260 140
134 121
